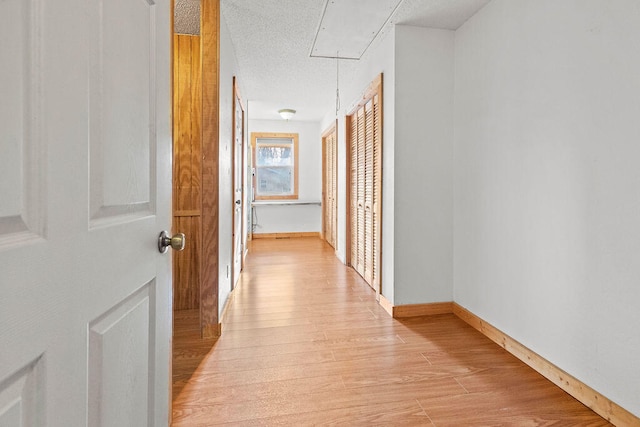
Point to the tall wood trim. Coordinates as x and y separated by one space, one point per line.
576 388
187 170
386 304
237 101
210 36
171 83
348 210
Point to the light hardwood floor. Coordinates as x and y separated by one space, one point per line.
305 343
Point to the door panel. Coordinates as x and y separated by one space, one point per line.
84 130
120 360
21 215
20 402
121 109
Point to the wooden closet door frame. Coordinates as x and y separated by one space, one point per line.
325 135
210 44
375 87
237 102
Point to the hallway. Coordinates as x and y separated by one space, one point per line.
305 343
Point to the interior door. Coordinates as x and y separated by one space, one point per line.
85 306
238 171
329 186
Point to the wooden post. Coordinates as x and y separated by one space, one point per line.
210 36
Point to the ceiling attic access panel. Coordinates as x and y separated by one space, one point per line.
348 27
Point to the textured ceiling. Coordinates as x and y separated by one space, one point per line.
273 40
186 17
347 29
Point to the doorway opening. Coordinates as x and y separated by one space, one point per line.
195 96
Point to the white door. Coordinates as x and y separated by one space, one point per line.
85 298
238 168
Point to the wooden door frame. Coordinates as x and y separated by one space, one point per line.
237 98
332 129
171 88
210 66
209 206
210 54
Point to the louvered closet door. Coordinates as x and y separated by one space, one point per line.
362 173
327 191
368 193
353 179
365 143
330 183
333 188
377 193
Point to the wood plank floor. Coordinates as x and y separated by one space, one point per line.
305 343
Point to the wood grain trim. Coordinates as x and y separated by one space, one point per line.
380 172
237 101
256 135
323 197
386 304
172 83
428 309
211 331
348 213
210 56
227 304
330 130
187 213
296 158
576 388
286 235
374 87
236 90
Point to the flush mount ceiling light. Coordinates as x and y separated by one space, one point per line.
286 113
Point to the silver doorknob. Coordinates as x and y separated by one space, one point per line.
176 242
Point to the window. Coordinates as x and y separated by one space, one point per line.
275 158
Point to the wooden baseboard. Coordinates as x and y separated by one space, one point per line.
211 331
415 310
386 304
604 407
286 235
589 397
227 304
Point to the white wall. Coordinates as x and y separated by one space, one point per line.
547 183
305 218
423 187
228 68
355 78
417 213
